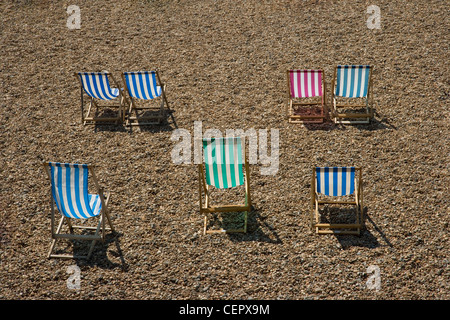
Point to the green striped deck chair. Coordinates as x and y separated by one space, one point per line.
224 167
340 186
70 196
352 94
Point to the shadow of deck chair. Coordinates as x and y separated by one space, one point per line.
144 89
306 96
97 86
352 83
69 191
224 167
334 186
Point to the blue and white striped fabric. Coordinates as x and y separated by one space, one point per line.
96 85
142 84
352 81
335 181
70 191
223 162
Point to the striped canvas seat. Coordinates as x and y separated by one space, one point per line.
142 85
352 81
305 83
335 181
70 191
223 162
306 89
96 85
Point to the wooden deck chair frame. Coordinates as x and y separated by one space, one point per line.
293 102
100 229
207 209
343 228
134 105
352 117
89 116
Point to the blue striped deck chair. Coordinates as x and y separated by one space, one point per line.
340 186
224 166
144 90
105 102
352 94
70 194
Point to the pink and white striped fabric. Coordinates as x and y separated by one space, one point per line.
305 83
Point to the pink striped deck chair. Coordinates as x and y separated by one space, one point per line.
306 92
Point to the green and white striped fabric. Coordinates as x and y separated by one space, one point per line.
223 162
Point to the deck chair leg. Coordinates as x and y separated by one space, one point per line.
88 112
49 255
69 223
161 111
130 108
58 230
165 98
358 220
317 215
109 221
106 201
82 107
246 212
313 198
97 231
245 221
